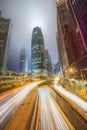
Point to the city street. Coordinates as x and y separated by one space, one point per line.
43 65
45 111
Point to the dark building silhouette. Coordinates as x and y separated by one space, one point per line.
57 69
47 62
80 10
24 60
5 33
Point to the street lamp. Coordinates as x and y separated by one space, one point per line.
70 70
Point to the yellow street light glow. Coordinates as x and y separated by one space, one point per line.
71 70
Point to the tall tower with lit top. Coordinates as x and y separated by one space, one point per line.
37 51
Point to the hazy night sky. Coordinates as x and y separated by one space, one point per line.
25 15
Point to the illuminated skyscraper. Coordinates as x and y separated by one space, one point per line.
5 33
24 60
37 51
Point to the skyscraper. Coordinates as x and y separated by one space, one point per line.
80 11
69 36
57 69
37 51
47 62
5 33
24 60
65 41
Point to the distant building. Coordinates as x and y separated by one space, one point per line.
37 51
47 62
5 33
57 69
23 60
50 66
11 73
40 58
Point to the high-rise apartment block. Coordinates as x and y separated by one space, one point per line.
70 40
5 33
66 46
80 11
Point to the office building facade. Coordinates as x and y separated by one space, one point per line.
37 51
66 46
69 37
5 34
40 58
79 9
47 62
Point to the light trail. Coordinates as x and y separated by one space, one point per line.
76 99
50 116
7 94
10 106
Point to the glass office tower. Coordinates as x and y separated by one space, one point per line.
37 51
